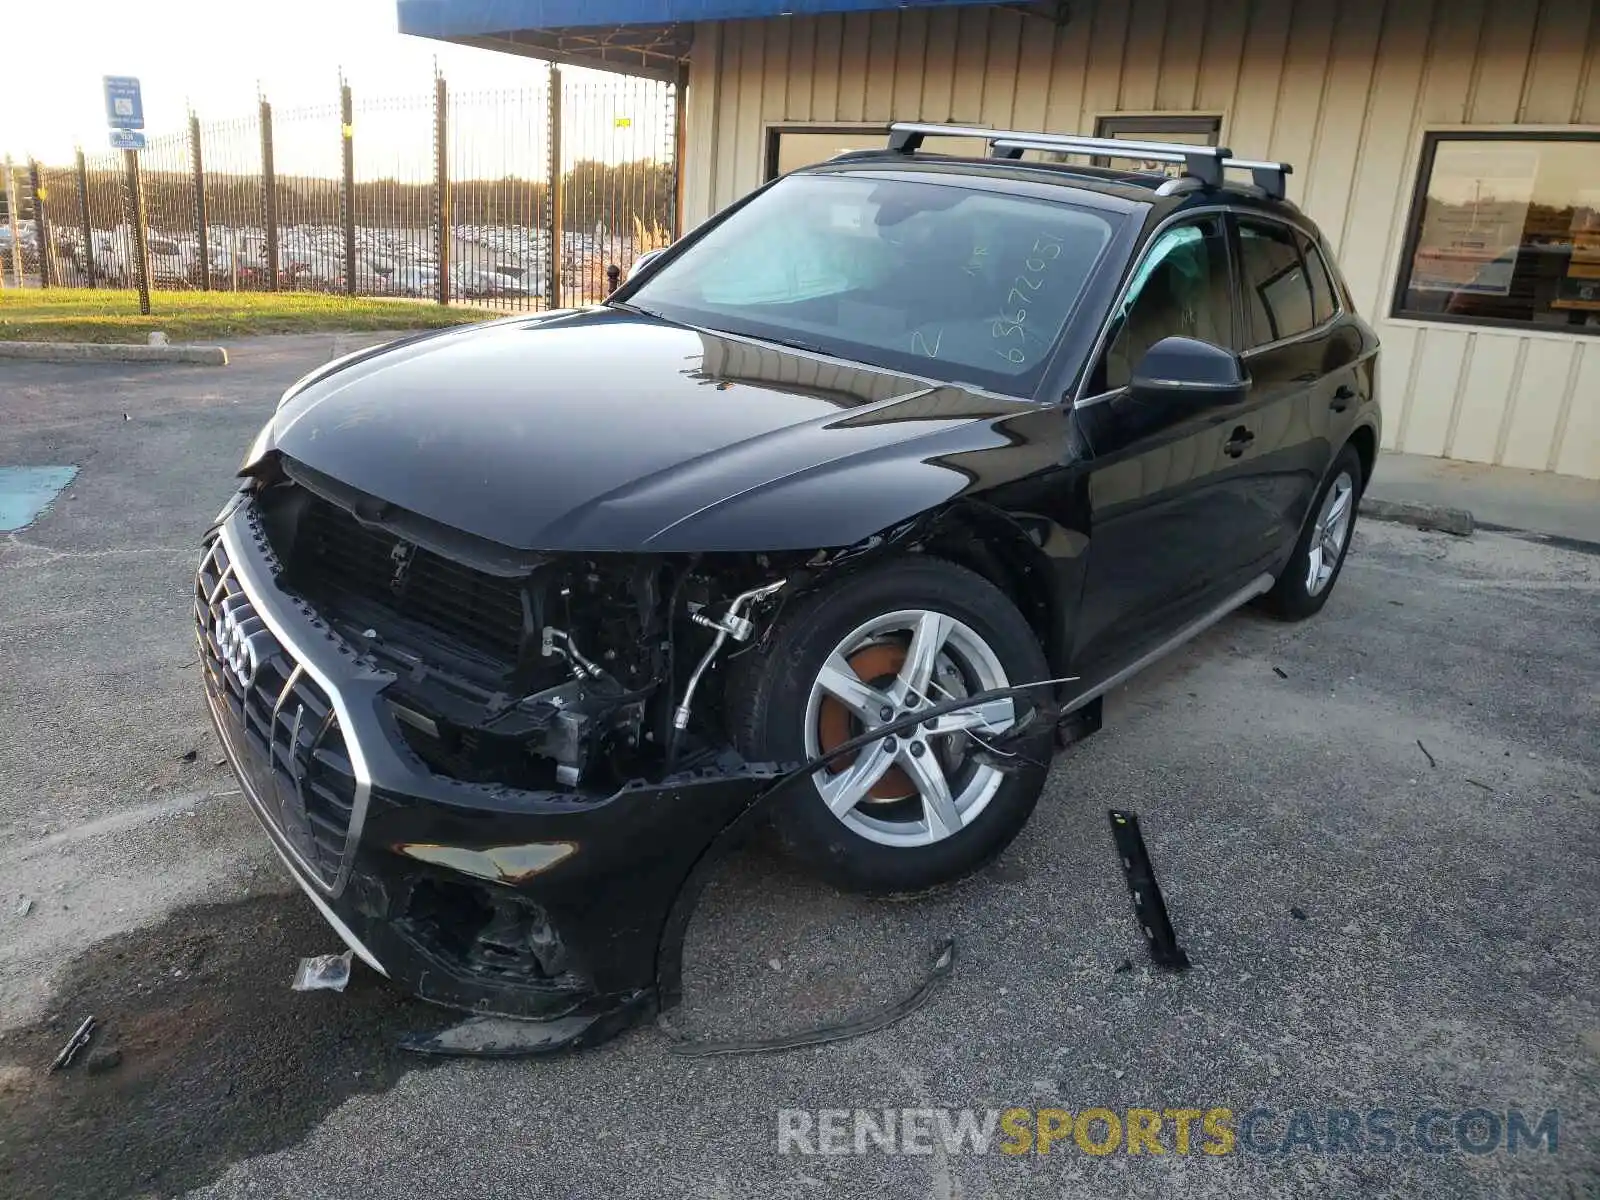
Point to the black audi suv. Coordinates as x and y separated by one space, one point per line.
508 625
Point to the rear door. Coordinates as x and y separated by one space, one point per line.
1302 364
1159 528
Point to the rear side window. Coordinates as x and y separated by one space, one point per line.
1277 289
1323 298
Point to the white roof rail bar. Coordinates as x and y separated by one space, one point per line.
1202 163
1270 177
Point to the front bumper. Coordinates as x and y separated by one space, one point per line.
541 905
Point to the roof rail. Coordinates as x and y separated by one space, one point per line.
1271 177
1202 163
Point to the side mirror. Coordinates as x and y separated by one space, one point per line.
642 263
1185 370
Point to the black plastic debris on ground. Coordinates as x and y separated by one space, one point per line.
1148 905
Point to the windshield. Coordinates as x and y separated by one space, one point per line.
897 273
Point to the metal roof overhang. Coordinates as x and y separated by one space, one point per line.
634 37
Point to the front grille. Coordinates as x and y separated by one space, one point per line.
293 749
334 555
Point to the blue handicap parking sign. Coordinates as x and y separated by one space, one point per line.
124 104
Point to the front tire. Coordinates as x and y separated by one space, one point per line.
1307 579
914 811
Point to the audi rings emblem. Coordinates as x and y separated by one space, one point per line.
243 638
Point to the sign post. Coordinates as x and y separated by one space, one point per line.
16 228
125 118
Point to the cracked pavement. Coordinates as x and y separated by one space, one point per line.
1445 959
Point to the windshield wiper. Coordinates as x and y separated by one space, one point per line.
629 306
788 343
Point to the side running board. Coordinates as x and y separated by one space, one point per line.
1258 586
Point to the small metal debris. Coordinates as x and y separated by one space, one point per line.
1484 786
1280 672
190 755
323 972
1432 762
25 906
219 762
775 963
1297 913
76 1042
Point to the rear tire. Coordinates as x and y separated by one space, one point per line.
1307 579
924 812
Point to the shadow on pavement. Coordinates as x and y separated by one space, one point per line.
219 1058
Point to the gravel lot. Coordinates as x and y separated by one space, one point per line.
1378 834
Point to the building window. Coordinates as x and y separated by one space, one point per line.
1189 131
1505 230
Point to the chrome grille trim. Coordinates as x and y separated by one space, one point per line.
288 686
247 574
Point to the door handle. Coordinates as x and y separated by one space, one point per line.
1342 398
1237 441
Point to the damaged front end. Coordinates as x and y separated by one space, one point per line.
495 772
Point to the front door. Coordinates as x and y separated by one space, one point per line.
1161 533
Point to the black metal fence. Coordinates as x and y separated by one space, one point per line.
443 195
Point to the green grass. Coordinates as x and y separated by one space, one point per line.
85 315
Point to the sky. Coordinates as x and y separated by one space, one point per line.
212 54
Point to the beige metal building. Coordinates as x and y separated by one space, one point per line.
1449 148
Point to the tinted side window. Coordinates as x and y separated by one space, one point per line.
1277 293
1323 301
1179 289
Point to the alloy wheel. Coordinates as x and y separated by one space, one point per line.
922 785
1330 533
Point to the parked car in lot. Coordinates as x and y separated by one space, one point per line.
171 263
504 621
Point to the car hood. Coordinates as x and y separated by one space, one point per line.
607 430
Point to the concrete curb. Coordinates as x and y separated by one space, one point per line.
1424 516
71 352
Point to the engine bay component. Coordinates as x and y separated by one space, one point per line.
731 624
550 670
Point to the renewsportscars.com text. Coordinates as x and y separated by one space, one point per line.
1160 1131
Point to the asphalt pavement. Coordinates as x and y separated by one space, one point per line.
1377 833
